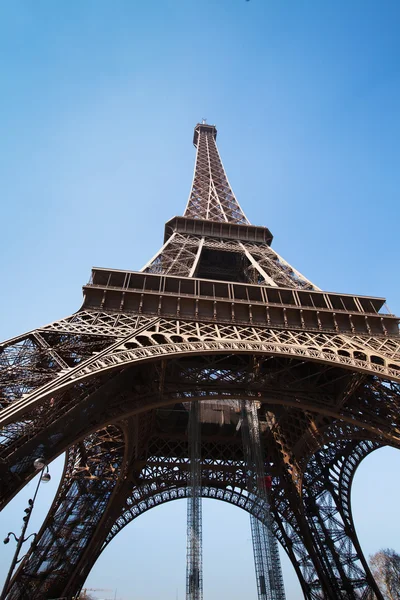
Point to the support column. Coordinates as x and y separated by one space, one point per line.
93 471
194 565
265 547
329 476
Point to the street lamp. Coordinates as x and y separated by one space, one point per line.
40 465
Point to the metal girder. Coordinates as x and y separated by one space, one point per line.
266 555
194 566
327 484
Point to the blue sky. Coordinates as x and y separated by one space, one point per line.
98 102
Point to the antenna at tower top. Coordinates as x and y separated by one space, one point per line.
203 121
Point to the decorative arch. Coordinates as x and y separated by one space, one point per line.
98 400
122 355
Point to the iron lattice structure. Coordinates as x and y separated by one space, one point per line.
265 546
194 569
215 316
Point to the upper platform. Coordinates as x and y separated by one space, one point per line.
192 298
218 229
203 127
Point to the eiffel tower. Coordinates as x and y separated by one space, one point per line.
216 319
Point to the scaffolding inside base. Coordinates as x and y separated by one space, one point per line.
265 546
194 564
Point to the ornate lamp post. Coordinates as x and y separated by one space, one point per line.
41 466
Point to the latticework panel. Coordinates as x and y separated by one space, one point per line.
327 485
176 257
211 196
32 360
261 264
93 469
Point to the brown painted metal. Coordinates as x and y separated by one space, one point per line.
216 316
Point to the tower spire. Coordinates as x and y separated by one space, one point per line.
214 239
211 197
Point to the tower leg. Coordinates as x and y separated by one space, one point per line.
92 472
327 500
265 547
96 482
194 567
